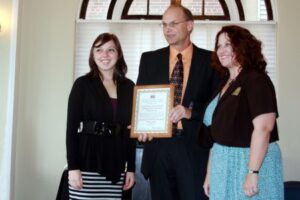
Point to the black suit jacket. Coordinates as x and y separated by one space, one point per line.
202 80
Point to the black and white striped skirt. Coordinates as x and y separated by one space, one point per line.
96 187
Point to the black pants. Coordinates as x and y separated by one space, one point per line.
176 174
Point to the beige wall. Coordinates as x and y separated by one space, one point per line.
289 82
45 73
6 80
5 16
45 77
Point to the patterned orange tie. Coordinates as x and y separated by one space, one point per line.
177 81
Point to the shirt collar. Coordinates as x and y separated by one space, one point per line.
186 53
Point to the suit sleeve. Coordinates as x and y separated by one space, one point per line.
131 143
142 77
212 81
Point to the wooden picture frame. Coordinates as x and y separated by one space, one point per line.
150 110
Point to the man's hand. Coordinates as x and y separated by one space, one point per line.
179 112
144 137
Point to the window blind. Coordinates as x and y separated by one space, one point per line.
139 36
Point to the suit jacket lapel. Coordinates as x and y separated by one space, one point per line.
163 67
193 75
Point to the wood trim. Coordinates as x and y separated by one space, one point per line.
211 17
111 9
148 7
203 8
126 9
166 130
225 9
269 10
83 9
158 17
240 7
128 3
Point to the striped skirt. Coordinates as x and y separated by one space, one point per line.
229 169
96 187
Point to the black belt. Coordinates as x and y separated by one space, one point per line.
100 128
177 132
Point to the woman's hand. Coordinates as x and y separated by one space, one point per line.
251 185
75 179
129 180
206 184
263 125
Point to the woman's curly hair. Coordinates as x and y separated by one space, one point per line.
245 46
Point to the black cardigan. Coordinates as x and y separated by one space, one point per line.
89 101
250 95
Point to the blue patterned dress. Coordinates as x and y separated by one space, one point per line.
229 166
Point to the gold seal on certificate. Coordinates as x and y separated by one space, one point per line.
150 110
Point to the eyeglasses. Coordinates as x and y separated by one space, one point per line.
171 24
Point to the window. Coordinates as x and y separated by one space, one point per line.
262 10
97 9
153 9
209 9
140 7
265 11
137 36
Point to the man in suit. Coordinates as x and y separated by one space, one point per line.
177 166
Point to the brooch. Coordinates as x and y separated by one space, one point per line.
236 92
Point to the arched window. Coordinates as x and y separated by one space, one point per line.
97 9
265 10
201 9
153 9
136 23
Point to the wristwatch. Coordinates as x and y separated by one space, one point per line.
250 171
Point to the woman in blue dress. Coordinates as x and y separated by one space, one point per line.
245 160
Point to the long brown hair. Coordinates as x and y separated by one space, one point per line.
245 46
121 66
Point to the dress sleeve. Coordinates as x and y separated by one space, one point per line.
74 116
131 155
212 86
261 96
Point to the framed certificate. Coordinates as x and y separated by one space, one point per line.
150 110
